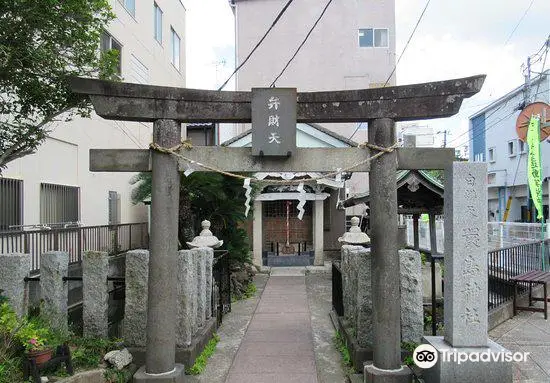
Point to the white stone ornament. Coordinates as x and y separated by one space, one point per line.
354 236
205 238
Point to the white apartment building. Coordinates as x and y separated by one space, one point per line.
352 47
424 134
493 139
54 185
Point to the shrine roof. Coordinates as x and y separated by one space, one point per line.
417 190
318 127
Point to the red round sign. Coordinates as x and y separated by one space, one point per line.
522 123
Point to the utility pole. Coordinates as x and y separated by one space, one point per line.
444 136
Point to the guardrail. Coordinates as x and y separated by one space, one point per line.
509 262
112 239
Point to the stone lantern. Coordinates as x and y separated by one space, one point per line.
354 236
205 238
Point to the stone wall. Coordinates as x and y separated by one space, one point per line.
357 298
194 295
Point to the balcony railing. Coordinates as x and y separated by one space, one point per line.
112 239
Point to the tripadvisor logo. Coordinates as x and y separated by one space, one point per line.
426 356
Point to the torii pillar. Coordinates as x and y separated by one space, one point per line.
167 107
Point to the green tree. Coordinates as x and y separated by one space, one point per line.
215 197
42 44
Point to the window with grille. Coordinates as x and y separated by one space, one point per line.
176 44
59 204
109 43
157 21
373 37
11 203
278 208
130 6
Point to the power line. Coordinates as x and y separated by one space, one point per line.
303 42
489 115
487 128
519 22
281 12
408 41
399 59
543 63
486 117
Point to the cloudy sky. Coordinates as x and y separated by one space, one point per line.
454 39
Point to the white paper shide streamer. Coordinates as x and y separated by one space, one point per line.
302 200
189 169
246 185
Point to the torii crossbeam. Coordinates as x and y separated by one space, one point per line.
168 107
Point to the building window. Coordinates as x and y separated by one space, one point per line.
109 44
373 37
114 208
158 23
130 6
59 204
176 43
491 155
11 203
521 145
512 148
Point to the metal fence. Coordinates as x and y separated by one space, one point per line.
337 293
509 262
75 240
221 291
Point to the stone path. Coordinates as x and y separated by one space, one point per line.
527 332
278 344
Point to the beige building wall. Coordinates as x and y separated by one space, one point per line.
64 157
331 59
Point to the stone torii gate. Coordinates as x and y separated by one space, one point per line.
168 107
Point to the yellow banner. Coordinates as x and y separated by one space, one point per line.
534 166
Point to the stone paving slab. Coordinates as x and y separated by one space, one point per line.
231 333
272 378
278 348
281 321
527 332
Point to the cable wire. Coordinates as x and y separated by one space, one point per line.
487 128
302 44
408 41
519 22
281 12
543 64
399 59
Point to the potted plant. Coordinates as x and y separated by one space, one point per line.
35 340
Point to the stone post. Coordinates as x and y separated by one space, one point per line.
208 276
199 256
160 353
386 364
95 269
54 266
363 293
318 233
13 270
135 303
412 312
257 236
466 285
187 299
